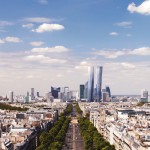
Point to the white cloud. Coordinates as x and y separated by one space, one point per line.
43 1
36 43
113 33
43 59
48 28
128 65
56 49
37 20
144 8
5 23
35 58
125 24
140 51
83 63
30 25
59 75
55 61
143 51
2 41
110 54
13 39
114 66
19 70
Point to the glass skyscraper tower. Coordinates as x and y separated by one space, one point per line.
99 82
91 84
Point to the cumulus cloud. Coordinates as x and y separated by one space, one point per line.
43 59
5 23
2 41
113 33
10 39
30 25
144 8
56 49
35 57
13 39
48 28
36 43
37 20
83 63
140 51
128 65
110 53
125 24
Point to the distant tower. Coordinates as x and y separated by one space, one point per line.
11 96
81 92
108 90
38 94
86 90
27 98
144 95
99 82
90 84
32 94
55 91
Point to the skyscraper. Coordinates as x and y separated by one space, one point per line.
90 84
55 91
81 92
144 95
108 90
99 82
32 94
86 90
38 94
11 96
27 98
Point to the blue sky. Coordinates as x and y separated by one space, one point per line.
52 42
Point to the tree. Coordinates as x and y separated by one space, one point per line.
55 146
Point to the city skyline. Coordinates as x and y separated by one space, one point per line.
47 43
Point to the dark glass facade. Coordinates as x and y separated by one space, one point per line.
55 91
81 91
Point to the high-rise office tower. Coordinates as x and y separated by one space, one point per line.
27 98
108 90
32 94
55 91
86 90
11 96
99 82
38 94
144 95
81 92
66 89
90 84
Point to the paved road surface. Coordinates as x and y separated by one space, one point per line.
73 140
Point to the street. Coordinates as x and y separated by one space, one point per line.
73 140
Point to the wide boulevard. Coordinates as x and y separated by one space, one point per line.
73 140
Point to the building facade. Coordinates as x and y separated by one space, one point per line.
99 82
91 84
81 92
